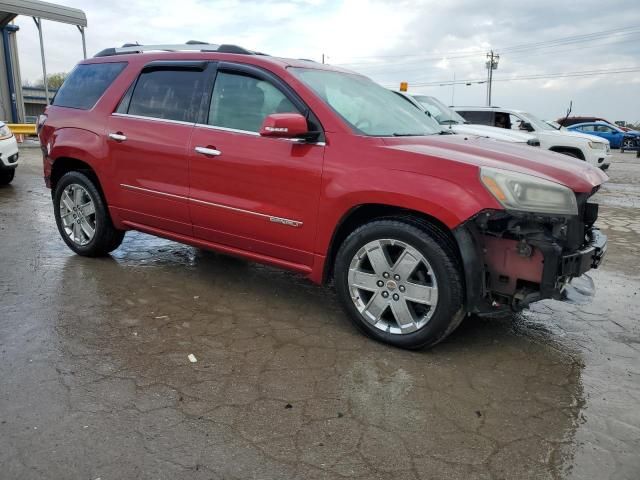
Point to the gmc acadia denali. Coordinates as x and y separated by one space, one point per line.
321 171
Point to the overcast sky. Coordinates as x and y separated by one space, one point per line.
416 41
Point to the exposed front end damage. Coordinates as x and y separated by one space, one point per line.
512 259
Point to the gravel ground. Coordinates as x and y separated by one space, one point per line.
95 379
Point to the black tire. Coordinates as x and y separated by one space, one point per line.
438 249
106 238
569 154
6 176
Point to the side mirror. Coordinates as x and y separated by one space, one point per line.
284 125
527 126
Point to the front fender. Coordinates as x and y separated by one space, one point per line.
444 200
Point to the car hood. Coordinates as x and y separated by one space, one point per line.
491 132
576 174
570 133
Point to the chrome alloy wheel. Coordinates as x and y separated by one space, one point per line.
393 286
78 214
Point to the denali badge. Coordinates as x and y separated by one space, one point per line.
285 221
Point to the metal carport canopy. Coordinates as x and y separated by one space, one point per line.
9 9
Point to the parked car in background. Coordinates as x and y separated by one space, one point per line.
321 171
618 138
567 122
450 120
8 154
585 147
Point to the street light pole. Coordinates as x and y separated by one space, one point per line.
492 64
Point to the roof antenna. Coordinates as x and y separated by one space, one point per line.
567 116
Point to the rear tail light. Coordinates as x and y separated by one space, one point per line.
41 119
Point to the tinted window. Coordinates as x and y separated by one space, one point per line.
587 128
604 129
481 118
168 94
86 84
242 102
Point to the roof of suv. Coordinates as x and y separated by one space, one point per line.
208 52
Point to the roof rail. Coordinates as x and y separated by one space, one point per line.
191 46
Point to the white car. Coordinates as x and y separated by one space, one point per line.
595 151
8 154
450 120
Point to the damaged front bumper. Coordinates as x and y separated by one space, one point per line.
512 259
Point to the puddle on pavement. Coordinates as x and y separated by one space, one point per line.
95 366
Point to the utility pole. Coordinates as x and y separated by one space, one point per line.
492 64
323 58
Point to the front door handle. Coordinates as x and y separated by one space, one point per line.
209 152
118 137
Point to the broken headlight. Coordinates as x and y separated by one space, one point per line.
527 193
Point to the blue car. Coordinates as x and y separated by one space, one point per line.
617 137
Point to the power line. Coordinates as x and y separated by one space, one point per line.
542 76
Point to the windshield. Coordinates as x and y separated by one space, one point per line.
367 107
535 122
438 110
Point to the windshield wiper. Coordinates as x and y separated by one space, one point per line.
396 134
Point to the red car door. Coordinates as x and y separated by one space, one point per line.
250 192
148 139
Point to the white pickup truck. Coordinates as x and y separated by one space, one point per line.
450 120
593 150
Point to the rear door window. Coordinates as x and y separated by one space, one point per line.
242 102
168 94
479 118
86 84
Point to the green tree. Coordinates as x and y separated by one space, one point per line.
54 80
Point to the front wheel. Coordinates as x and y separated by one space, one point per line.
627 143
6 176
82 216
400 282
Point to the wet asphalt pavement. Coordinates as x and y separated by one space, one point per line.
95 380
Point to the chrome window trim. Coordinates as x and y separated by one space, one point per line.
255 134
153 119
227 129
271 218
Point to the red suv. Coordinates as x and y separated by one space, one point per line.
321 171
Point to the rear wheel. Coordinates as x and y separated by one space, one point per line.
400 282
6 176
82 217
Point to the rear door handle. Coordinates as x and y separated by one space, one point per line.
118 137
209 152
